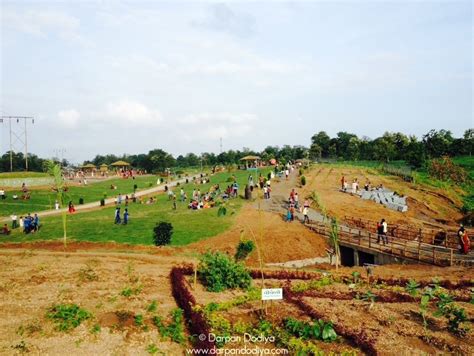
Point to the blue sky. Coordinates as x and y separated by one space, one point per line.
127 77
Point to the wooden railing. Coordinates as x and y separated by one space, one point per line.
404 248
438 237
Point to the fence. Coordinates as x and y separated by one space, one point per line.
414 250
439 237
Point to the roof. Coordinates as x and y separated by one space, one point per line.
120 163
250 158
103 165
88 165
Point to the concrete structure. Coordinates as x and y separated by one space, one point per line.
386 197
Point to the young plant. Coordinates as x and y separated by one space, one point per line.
318 330
55 171
152 307
334 238
67 316
355 276
244 248
412 287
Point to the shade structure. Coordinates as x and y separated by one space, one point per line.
120 164
250 158
103 167
251 162
88 166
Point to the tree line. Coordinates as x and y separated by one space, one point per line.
344 146
392 146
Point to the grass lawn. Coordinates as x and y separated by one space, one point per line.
43 199
189 225
10 175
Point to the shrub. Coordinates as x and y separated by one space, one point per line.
67 316
303 180
444 169
219 272
162 233
319 330
244 248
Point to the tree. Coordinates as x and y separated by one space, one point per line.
315 152
342 144
322 140
162 233
383 149
55 171
437 143
415 153
353 149
468 144
159 160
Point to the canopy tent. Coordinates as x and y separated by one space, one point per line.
251 161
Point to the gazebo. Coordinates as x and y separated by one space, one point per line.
88 168
120 164
103 167
251 161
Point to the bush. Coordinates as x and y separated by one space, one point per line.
303 180
67 316
162 233
218 272
444 169
244 248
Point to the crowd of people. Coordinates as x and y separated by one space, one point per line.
27 224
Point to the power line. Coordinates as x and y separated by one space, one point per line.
18 135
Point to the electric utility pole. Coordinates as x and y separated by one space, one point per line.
18 135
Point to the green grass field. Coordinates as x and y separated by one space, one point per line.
43 199
189 225
10 175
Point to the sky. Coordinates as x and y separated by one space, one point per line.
126 77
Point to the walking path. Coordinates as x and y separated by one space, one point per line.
109 201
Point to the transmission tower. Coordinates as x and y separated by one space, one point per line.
18 129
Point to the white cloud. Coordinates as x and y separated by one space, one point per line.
44 23
129 113
216 125
69 118
222 18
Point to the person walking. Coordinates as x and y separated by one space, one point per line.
466 243
379 231
460 237
118 220
56 205
305 215
343 180
384 232
71 208
125 216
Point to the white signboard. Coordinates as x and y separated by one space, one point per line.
272 294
